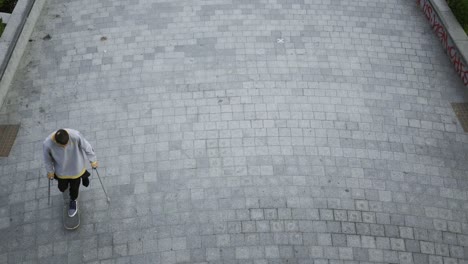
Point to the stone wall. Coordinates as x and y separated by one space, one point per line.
450 33
15 39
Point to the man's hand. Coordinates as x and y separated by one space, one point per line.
94 164
50 175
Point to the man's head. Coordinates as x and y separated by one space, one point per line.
62 137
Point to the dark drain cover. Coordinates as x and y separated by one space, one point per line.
7 138
461 110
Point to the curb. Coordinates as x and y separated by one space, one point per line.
450 33
15 39
5 17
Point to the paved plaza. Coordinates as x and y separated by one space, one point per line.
240 132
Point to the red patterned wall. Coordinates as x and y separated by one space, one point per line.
460 66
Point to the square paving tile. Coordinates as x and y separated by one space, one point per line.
7 138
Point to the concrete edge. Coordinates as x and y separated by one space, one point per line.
5 17
453 30
16 19
452 25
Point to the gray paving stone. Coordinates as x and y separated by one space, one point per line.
353 240
361 254
413 245
240 132
363 229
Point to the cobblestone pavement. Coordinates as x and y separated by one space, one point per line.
236 131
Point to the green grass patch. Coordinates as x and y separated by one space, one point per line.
460 10
7 6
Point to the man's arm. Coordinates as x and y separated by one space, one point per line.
48 160
87 148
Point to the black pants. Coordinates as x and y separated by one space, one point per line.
73 184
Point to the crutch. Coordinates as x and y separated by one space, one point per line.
48 198
102 185
48 192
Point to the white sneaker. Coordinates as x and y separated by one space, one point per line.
73 209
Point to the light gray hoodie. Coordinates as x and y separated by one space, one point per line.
67 162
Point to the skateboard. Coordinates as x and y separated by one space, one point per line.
70 223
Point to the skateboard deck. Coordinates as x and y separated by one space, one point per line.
70 223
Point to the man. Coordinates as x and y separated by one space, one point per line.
64 157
